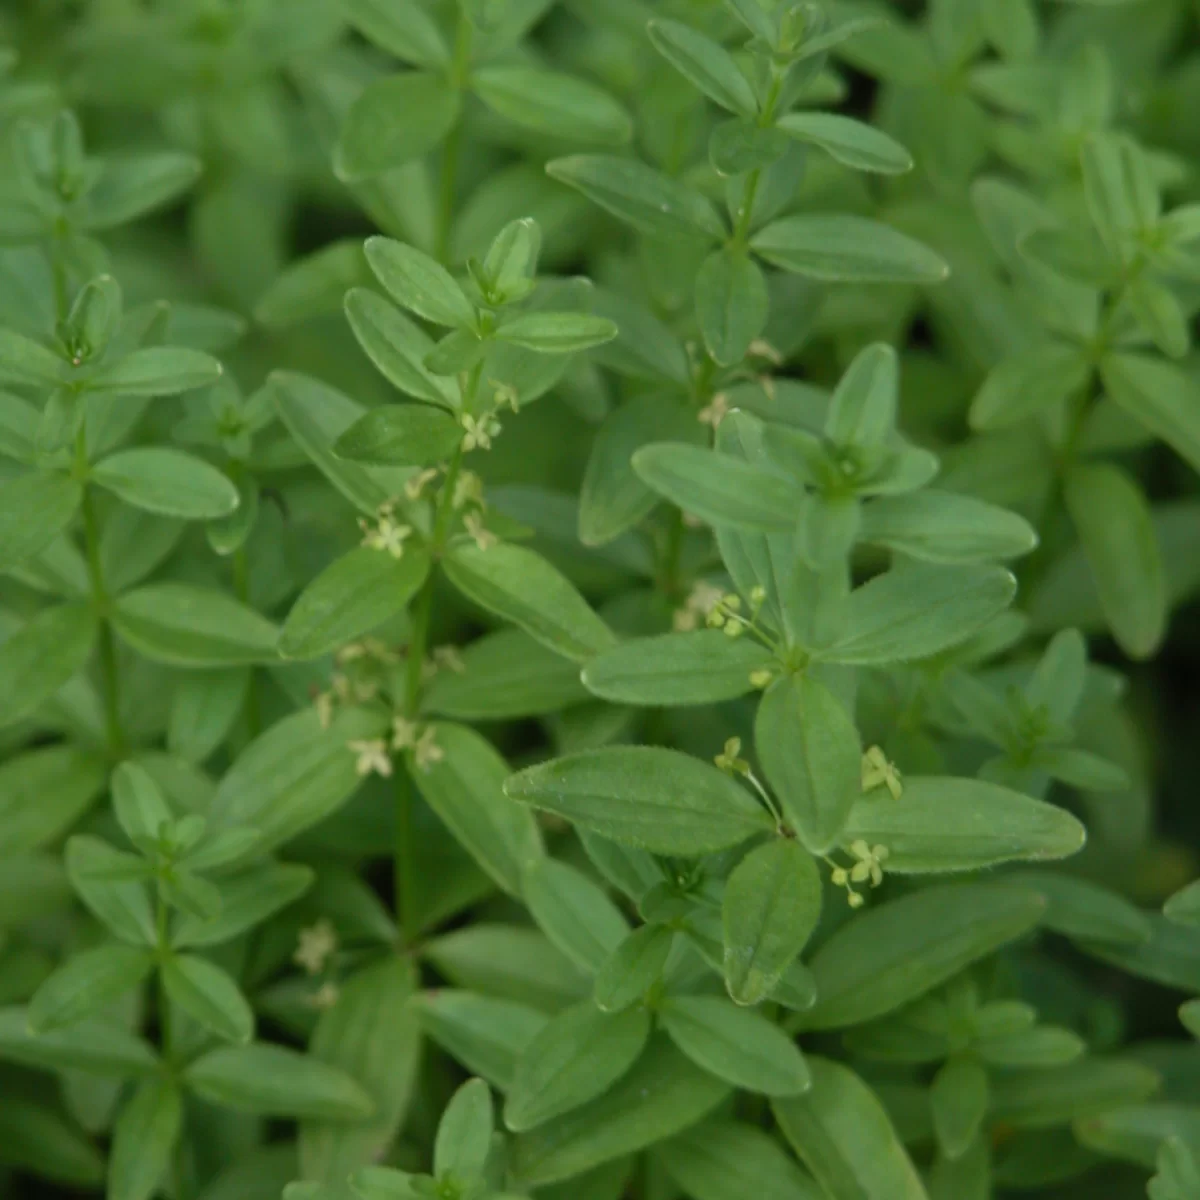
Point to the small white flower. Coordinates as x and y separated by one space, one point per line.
468 489
315 945
478 431
416 485
427 752
373 758
324 705
484 538
447 658
761 348
715 411
404 733
326 996
504 395
386 535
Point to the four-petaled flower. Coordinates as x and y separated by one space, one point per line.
478 431
416 485
468 489
315 945
878 771
715 411
485 539
386 534
870 862
373 757
728 759
427 752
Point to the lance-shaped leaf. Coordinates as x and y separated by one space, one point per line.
352 596
1159 396
574 913
633 968
658 799
843 1134
85 985
771 904
732 304
401 435
703 667
892 954
945 824
845 249
942 527
1040 1098
41 657
740 1047
554 103
486 1035
705 63
34 509
809 748
578 1056
521 586
852 143
721 489
909 614
647 199
144 1140
167 482
465 787
1113 519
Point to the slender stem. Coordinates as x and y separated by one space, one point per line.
241 587
672 554
107 646
746 212
404 875
447 184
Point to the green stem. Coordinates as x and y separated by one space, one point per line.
107 646
746 213
241 587
451 150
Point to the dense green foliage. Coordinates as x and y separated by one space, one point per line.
560 560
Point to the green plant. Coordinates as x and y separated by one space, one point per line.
553 662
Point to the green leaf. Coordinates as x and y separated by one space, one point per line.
34 509
401 435
553 103
397 348
293 775
1182 907
132 185
41 657
1121 195
138 803
487 1036
466 790
204 707
658 799
740 1047
770 908
97 1047
394 120
275 1081
645 198
721 489
374 1035
1041 1099
810 752
1136 1133
739 145
24 361
419 283
187 626
43 792
944 527
1161 314
852 143
247 899
502 675
556 332
845 249
209 996
862 412
1159 396
663 1094
574 913
35 1139
98 873
167 482
703 667
1113 521
844 1136
144 1140
1043 1047
578 1056
464 1136
730 1160
633 968
732 304
705 63
959 1099
401 27
157 371
1079 908
1170 955
521 586
354 595
892 954
944 824
85 984
1027 384
909 614
312 286
614 498
508 961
